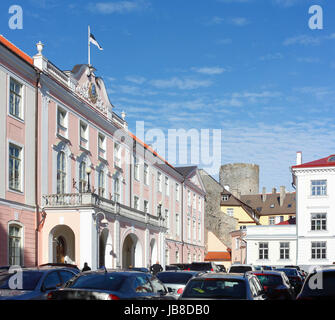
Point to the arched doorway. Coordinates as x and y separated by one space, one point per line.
104 249
132 252
62 245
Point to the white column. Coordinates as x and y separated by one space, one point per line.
117 261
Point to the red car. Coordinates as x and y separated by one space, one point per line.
276 285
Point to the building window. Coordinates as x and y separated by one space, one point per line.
146 206
15 245
61 172
243 227
237 243
62 122
116 190
199 204
146 174
117 155
82 177
189 257
167 219
194 230
199 257
101 184
319 221
15 99
167 256
177 225
225 197
15 167
194 201
263 251
136 169
159 182
199 231
271 220
101 145
194 257
189 198
177 192
284 250
167 191
177 256
83 135
230 212
319 187
136 203
319 250
188 228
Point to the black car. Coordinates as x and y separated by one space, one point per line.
171 267
112 285
145 270
276 285
295 278
204 267
324 290
182 266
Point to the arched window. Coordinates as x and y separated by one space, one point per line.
15 245
82 177
101 183
116 190
61 172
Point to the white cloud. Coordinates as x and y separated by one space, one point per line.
302 39
224 41
239 21
209 70
183 84
272 56
308 60
136 79
118 7
286 3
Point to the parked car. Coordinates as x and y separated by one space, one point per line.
241 268
325 291
295 278
182 266
36 282
112 285
171 267
145 270
204 266
176 281
64 265
276 285
268 268
230 286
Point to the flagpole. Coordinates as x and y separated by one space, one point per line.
89 47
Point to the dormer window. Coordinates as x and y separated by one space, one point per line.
225 197
102 146
83 135
62 122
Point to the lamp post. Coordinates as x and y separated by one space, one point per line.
88 171
103 221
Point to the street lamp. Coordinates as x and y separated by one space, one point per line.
88 171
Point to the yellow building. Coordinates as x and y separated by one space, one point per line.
274 207
234 207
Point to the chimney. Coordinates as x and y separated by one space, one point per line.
274 190
299 158
264 194
282 195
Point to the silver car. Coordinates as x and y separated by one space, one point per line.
33 283
224 286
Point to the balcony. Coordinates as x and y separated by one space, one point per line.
92 200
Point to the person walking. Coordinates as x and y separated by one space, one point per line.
155 268
86 267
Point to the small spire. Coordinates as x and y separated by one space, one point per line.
123 115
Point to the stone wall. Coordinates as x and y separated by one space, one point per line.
215 220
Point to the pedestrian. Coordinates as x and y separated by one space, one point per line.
86 267
155 268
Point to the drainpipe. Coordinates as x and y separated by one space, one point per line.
182 221
38 78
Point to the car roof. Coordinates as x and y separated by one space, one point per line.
181 271
103 271
270 272
222 275
241 265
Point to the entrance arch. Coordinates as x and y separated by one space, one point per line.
105 249
153 252
132 252
62 245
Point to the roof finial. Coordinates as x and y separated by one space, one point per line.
39 46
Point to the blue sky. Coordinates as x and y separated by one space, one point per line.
251 68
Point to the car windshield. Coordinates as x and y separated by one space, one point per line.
215 289
106 281
201 266
29 281
174 277
289 272
239 269
322 285
270 280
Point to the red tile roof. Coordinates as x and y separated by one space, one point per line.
218 256
16 50
324 162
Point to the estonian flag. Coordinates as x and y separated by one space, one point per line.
92 39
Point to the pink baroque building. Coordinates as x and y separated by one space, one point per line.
78 185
